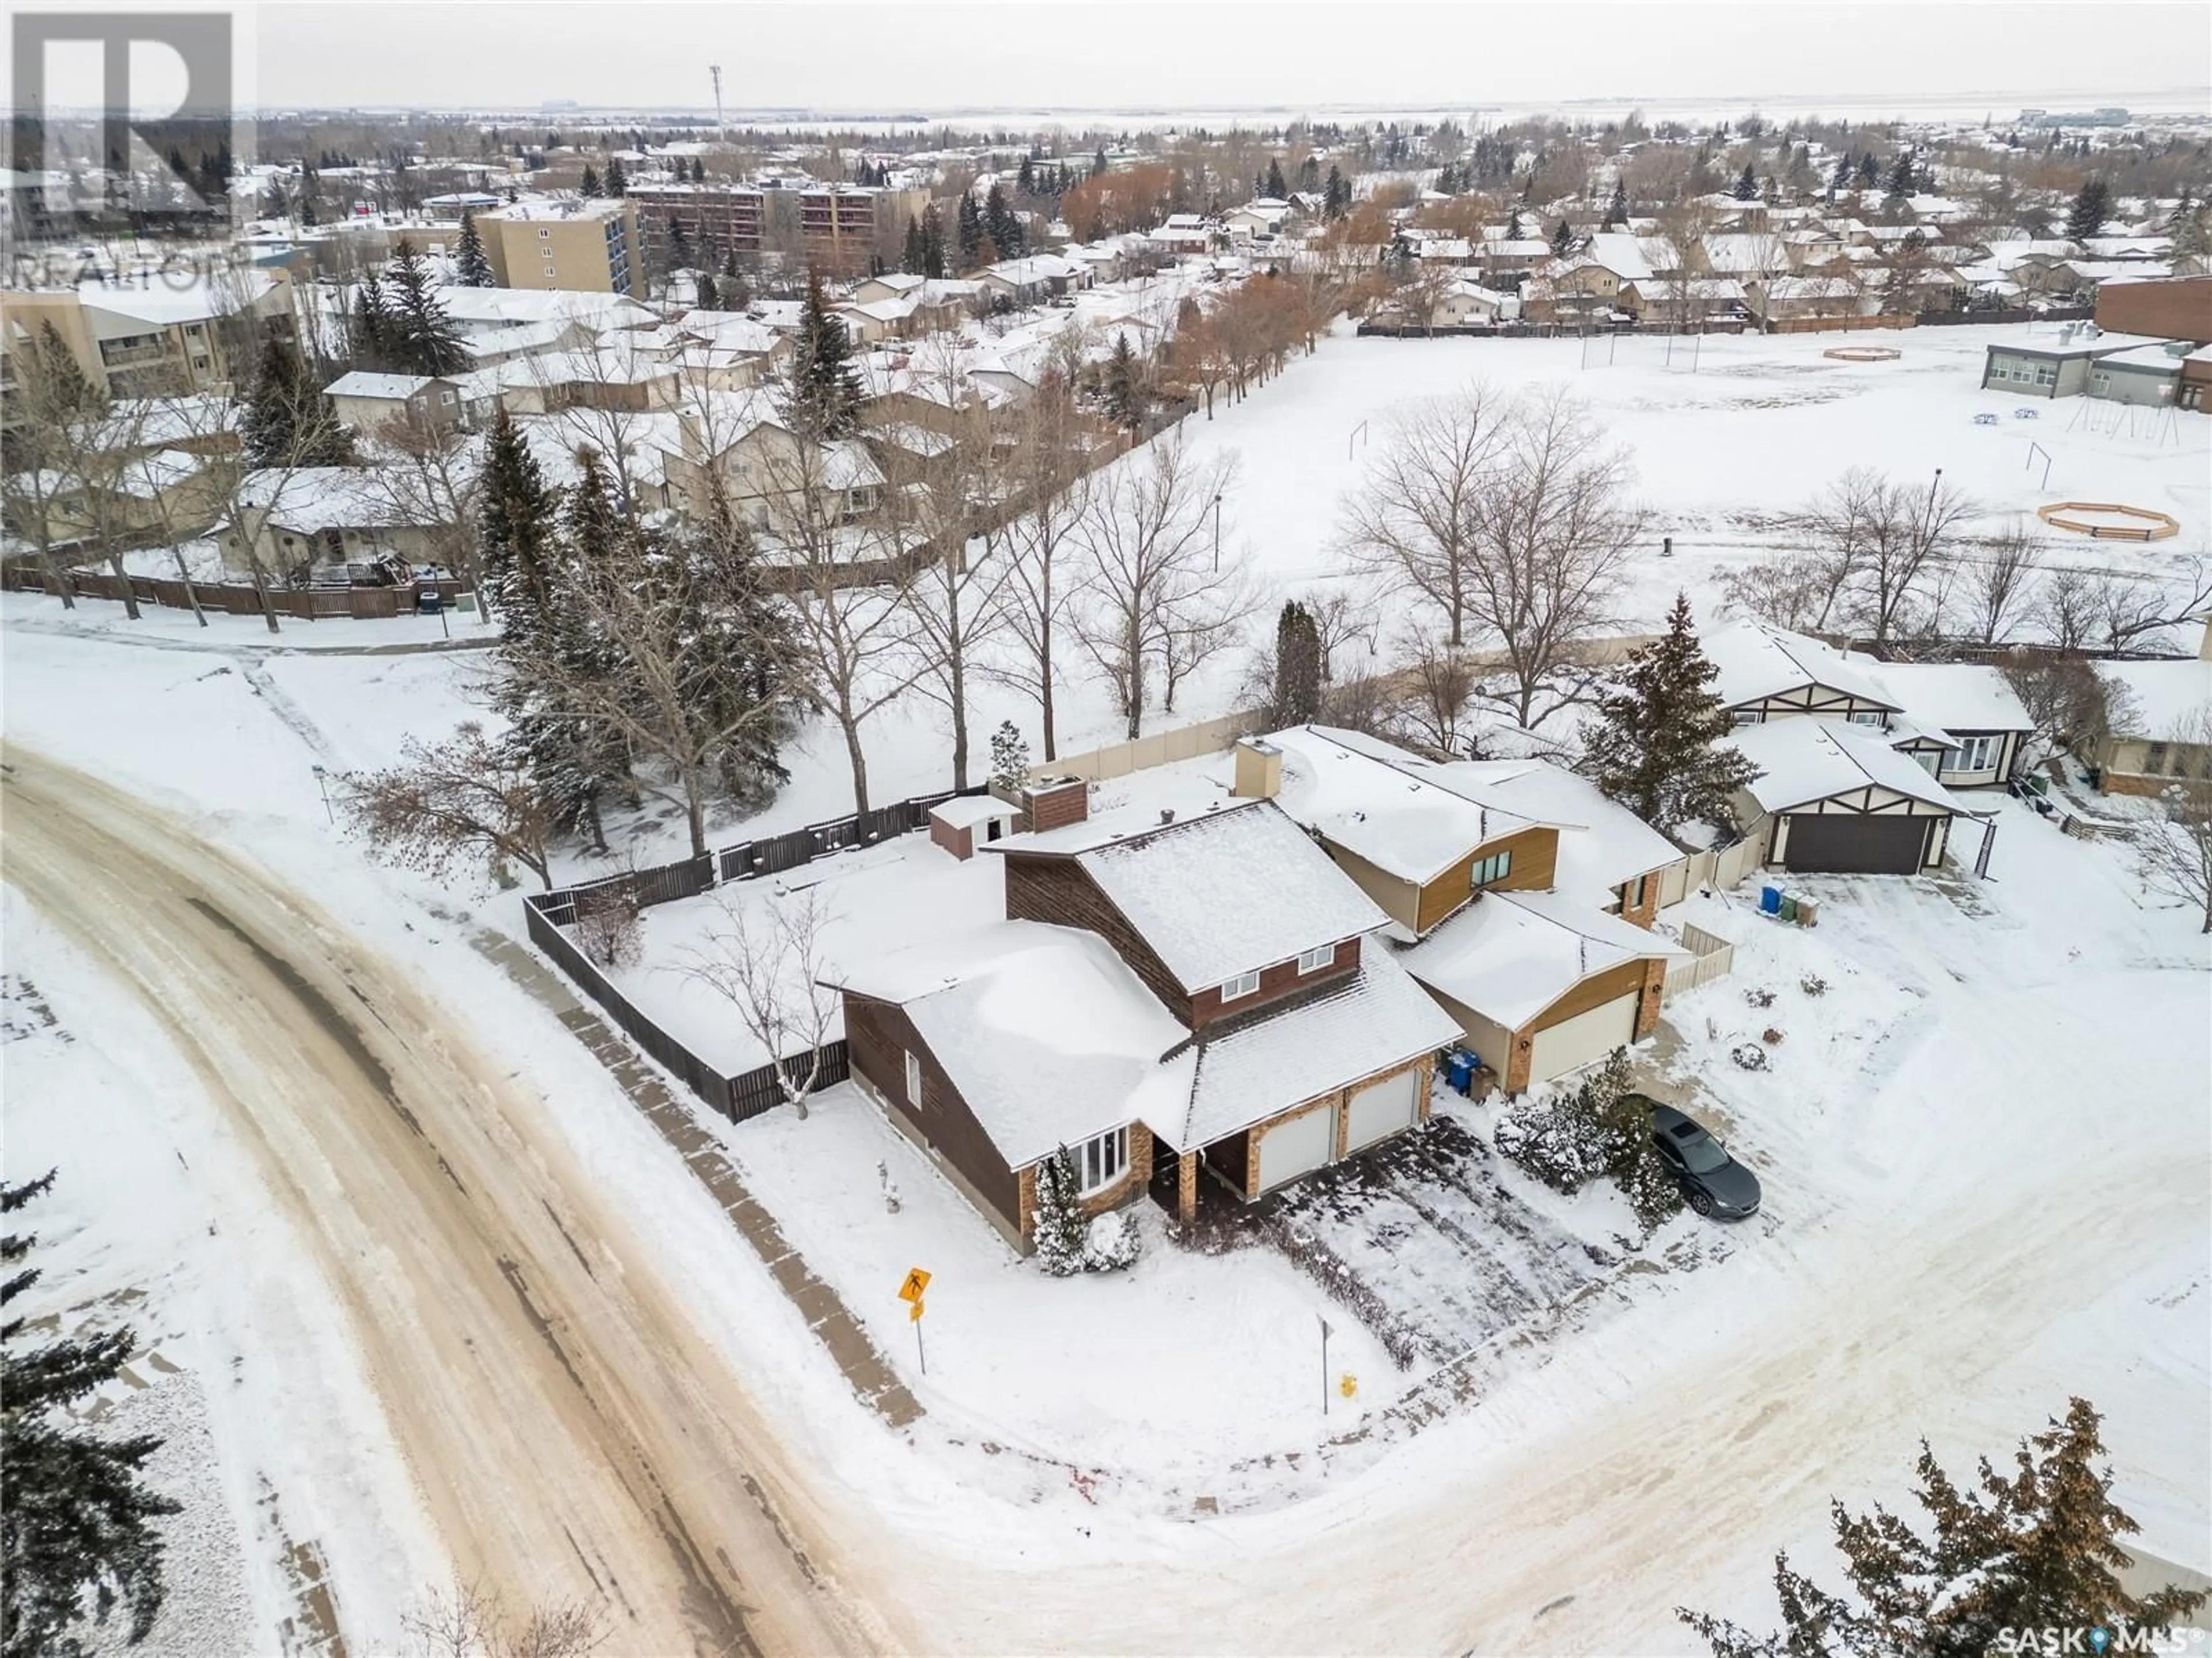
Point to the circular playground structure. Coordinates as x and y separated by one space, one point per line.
2108 521
1863 353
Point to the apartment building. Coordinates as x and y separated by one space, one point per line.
583 246
716 220
835 227
162 335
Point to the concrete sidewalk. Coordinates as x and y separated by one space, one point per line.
673 1117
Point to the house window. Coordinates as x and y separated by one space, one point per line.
1493 869
2047 374
1243 985
1977 753
543 232
2155 758
913 1079
1312 961
1747 716
1101 1161
1864 717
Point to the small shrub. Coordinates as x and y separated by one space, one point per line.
1650 1186
1812 984
1759 997
1571 1139
1749 1055
1770 1036
1113 1243
607 927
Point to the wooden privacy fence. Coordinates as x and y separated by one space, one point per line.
1188 743
1712 956
239 598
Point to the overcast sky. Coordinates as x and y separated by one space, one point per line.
1037 55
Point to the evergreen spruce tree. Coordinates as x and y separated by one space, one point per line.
1098 163
309 187
2034 1548
1297 667
1026 180
1336 195
825 391
1276 188
1653 746
1747 184
1123 391
285 420
590 184
698 169
932 242
1061 1228
1616 210
1309 175
616 184
1010 757
368 325
916 253
1900 178
1870 171
970 233
705 296
471 268
1001 224
76 1518
422 339
2093 205
1563 239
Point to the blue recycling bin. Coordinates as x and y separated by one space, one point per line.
1459 1070
1770 900
428 601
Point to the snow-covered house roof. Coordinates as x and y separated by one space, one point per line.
1508 956
311 499
395 388
1954 696
1218 894
1628 257
1603 844
2165 694
1755 662
1047 1034
1404 823
1360 1024
1801 761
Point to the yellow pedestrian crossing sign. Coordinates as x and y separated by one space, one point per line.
916 1282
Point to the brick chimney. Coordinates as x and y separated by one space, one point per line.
1052 803
1259 769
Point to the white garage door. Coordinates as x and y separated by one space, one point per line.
1573 1044
1381 1109
1297 1147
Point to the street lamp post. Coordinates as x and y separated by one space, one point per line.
322 782
1216 530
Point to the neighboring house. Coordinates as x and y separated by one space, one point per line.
155 335
763 470
1033 280
1541 984
1972 731
1764 673
145 499
327 515
1799 299
2161 724
1198 998
365 401
1832 797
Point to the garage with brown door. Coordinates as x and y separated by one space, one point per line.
1855 842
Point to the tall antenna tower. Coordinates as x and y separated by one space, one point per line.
722 127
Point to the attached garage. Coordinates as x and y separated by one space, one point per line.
1381 1110
1855 843
1585 1039
1296 1147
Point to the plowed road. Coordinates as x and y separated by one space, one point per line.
571 1432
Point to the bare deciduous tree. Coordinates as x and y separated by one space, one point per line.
2173 844
1435 683
610 928
1411 523
2066 605
465 798
1998 581
1156 590
1046 481
470 1623
2129 607
765 959
1554 524
1885 542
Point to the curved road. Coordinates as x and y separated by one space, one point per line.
572 1435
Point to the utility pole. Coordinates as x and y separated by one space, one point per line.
721 126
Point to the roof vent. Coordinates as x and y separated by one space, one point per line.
1167 814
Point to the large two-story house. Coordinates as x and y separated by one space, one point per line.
1174 993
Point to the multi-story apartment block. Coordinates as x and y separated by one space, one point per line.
586 246
160 335
716 220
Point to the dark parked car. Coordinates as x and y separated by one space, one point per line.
1713 1182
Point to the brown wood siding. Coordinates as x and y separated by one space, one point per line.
1535 864
1276 980
878 1036
1058 891
1599 988
1395 896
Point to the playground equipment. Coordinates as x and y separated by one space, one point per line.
2143 524
1863 353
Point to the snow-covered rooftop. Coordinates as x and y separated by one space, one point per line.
1219 894
1603 844
1508 956
2165 693
1405 825
361 383
1954 696
1800 761
1369 1022
1044 1030
1755 662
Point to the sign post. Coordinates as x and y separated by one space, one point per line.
910 1291
1325 1333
